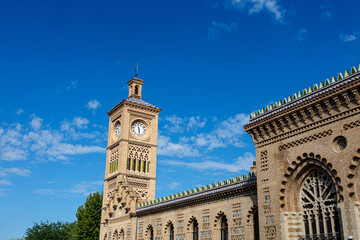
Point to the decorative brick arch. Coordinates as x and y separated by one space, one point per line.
115 235
351 179
295 173
218 218
167 226
190 222
121 234
250 215
149 228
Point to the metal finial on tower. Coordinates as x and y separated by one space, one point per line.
136 70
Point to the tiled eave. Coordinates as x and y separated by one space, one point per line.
303 99
114 109
196 196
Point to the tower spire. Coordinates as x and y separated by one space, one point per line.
136 70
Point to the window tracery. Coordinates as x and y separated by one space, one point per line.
319 204
138 158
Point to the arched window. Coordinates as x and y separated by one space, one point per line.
319 205
172 237
122 235
195 230
224 228
136 89
150 233
128 164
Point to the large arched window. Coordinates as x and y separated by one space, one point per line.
319 205
195 230
224 228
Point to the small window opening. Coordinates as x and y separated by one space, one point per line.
136 89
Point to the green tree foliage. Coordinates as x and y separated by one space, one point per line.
50 231
88 218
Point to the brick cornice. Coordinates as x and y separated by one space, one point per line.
314 110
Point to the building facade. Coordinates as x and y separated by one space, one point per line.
305 184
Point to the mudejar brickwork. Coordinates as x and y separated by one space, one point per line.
305 184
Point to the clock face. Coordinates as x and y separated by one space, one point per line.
117 130
138 129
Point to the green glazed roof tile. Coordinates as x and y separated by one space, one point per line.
304 92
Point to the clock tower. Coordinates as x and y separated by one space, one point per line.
132 144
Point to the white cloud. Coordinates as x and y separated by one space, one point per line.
301 34
4 182
93 105
73 85
177 124
19 111
11 153
195 122
14 171
347 37
228 132
83 188
216 28
257 6
80 122
36 122
325 10
225 133
242 163
74 129
168 148
173 185
41 142
46 191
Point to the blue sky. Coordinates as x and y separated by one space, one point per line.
207 64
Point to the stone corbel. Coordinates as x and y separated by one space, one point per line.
328 106
319 109
282 124
262 132
288 121
356 95
296 118
346 99
268 129
337 103
311 113
275 127
303 115
254 134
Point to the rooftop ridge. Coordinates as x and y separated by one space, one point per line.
304 92
140 101
199 189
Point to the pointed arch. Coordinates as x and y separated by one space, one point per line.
149 233
121 234
190 222
193 228
218 217
115 235
295 174
253 221
169 230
